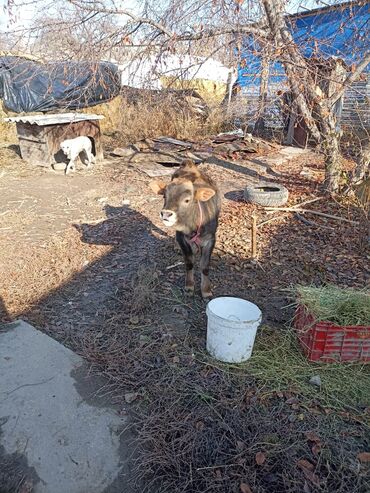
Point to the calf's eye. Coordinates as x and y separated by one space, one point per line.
187 201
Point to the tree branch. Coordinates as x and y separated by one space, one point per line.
138 19
352 77
255 29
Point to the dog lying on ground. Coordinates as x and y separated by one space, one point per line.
72 148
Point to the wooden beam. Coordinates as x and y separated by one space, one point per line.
254 236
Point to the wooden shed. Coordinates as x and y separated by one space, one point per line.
40 136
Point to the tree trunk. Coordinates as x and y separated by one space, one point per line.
333 162
294 64
319 116
363 165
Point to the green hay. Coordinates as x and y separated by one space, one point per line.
341 306
279 365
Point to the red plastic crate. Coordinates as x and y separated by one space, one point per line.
327 342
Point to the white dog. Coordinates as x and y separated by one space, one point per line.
72 148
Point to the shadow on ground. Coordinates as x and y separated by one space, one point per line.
127 315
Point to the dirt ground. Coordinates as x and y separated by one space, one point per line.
56 230
85 258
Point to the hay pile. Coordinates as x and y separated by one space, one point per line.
341 306
7 130
112 112
212 92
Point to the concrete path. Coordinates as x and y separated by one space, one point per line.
49 418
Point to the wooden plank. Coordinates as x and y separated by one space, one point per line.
290 133
34 153
254 235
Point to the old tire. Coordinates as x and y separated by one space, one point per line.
266 194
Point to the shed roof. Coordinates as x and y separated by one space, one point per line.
54 119
341 31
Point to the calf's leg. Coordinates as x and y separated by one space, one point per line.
205 259
189 261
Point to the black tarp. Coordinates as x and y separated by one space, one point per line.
27 86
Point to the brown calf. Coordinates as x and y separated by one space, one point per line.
192 205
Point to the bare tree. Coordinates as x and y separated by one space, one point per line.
179 26
316 106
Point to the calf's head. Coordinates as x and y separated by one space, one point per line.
180 200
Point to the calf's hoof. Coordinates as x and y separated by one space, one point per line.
207 294
176 248
189 290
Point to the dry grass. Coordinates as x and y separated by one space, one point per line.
43 269
143 286
112 112
200 423
338 305
148 114
279 363
15 474
7 130
152 116
211 91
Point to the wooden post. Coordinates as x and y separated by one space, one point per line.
265 69
254 235
290 133
229 90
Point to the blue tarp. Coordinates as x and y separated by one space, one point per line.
343 32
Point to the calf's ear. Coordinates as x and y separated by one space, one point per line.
187 163
204 194
158 187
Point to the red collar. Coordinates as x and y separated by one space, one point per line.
196 237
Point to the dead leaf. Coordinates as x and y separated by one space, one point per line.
315 480
307 469
131 397
364 457
313 437
316 449
292 400
176 359
218 474
303 463
239 445
260 458
244 488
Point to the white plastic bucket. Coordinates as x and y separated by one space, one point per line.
231 329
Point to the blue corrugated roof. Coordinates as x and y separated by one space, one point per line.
343 32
